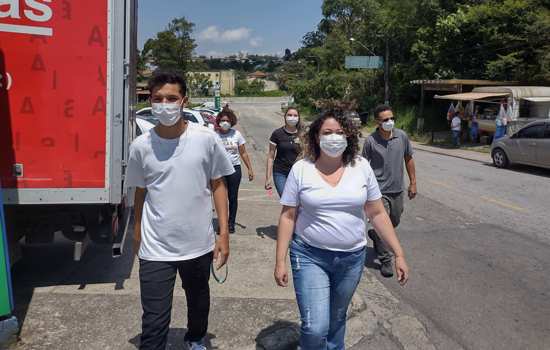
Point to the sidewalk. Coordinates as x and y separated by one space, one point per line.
454 152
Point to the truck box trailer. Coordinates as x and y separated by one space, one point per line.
67 93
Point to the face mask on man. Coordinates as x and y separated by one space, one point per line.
168 114
292 120
225 125
333 145
388 125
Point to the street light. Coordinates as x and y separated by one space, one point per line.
386 67
353 40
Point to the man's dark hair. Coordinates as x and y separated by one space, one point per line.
381 108
159 79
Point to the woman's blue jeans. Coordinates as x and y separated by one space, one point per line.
325 282
279 180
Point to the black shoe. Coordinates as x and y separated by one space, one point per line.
386 269
232 229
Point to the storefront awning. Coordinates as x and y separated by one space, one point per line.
537 99
471 96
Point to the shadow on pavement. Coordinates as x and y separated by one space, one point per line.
525 169
53 265
281 335
269 231
175 339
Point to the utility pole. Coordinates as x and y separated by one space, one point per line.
387 73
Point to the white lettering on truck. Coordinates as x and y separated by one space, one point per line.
34 10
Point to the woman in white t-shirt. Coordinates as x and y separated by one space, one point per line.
234 144
327 198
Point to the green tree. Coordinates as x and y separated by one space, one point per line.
172 48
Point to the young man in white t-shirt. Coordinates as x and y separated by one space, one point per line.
176 168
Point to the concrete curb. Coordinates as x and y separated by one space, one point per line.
481 158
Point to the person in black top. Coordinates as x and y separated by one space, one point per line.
284 148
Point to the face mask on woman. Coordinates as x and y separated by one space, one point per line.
333 145
292 120
168 114
225 125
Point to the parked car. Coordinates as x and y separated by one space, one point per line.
209 115
530 145
144 125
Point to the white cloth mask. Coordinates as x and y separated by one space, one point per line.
168 114
333 145
225 125
388 125
292 121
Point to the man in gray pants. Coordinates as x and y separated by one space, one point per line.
387 149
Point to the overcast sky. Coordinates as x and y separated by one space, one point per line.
227 27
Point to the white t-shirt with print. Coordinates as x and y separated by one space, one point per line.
231 141
331 218
177 214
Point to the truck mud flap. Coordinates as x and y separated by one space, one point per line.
120 237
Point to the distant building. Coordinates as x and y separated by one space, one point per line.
226 79
269 85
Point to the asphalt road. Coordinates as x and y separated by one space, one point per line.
478 241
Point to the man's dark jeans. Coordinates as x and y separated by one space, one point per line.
157 280
393 203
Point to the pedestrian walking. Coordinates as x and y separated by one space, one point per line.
234 144
284 148
177 168
326 200
456 127
387 149
474 127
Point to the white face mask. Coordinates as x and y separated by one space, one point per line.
388 126
168 114
333 145
292 120
225 125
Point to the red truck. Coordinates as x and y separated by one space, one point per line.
67 91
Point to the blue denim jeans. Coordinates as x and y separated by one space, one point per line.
456 138
279 180
324 282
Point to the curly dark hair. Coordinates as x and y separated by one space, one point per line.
312 150
227 112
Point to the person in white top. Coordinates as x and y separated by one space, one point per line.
456 128
327 198
176 169
234 144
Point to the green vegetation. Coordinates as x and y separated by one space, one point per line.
426 39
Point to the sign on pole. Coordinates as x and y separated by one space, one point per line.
364 62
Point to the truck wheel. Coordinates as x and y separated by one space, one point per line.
500 160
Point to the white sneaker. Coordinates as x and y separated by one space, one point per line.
195 345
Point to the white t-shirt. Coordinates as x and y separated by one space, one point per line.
231 141
455 124
331 218
177 214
